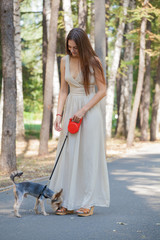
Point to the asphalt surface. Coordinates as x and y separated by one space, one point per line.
134 213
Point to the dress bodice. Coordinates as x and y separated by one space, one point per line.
76 84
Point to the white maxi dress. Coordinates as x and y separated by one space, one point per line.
82 168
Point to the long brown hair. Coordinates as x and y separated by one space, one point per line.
87 55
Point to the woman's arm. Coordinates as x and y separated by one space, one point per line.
62 96
101 85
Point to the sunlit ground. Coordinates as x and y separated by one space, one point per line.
143 177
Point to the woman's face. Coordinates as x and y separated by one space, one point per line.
73 48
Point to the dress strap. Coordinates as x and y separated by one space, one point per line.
67 74
67 64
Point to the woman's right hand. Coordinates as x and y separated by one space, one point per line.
57 123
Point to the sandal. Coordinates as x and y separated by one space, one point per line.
64 211
85 212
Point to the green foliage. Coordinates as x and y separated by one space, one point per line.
61 33
31 35
152 13
61 20
74 6
89 17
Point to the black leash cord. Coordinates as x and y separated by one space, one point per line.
58 156
54 166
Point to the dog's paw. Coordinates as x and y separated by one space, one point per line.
36 211
18 215
45 214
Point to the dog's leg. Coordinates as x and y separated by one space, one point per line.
15 197
42 207
17 206
36 206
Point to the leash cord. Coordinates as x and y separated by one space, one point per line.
58 156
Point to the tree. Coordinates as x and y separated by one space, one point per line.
155 105
8 156
114 69
127 80
100 37
82 14
141 72
17 42
45 24
158 123
145 99
92 24
1 110
48 90
107 2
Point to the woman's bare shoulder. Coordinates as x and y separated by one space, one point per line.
63 60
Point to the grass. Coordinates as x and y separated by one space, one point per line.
31 116
32 124
32 130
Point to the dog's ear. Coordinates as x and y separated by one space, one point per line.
57 195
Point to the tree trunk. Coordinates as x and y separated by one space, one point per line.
107 2
92 34
68 22
48 91
1 111
100 37
145 99
45 23
8 156
127 82
158 123
17 42
119 95
56 87
128 94
141 71
113 72
155 105
82 14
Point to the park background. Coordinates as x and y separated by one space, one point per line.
126 37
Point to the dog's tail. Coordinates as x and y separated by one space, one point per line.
15 174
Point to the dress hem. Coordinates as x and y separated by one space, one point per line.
81 206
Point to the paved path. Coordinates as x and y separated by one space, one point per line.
134 213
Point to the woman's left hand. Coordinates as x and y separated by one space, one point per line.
78 115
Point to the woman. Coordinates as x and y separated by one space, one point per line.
82 170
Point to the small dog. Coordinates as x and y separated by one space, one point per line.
34 189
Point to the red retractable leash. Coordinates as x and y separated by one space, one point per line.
73 127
